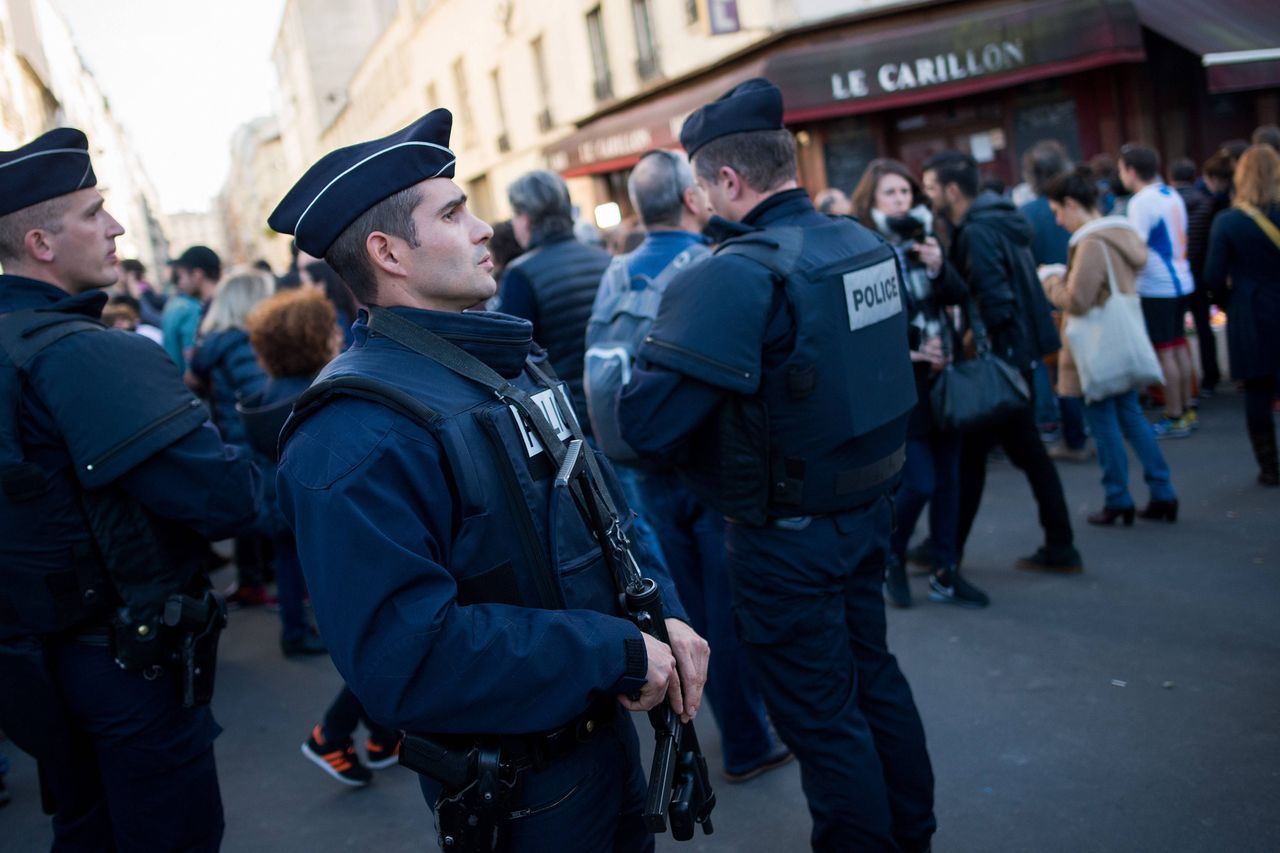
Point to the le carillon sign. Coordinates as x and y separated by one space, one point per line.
936 53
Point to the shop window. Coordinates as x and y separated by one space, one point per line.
1055 120
602 82
849 146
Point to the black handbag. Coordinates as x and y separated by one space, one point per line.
969 395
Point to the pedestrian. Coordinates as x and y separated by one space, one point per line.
833 202
463 596
991 251
553 283
750 382
1201 208
1160 217
890 197
293 334
321 276
1243 267
224 370
113 478
196 272
1106 258
133 283
673 210
1042 163
1267 134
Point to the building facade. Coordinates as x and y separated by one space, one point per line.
256 182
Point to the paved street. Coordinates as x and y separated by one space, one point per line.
1133 708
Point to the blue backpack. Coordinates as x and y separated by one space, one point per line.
620 319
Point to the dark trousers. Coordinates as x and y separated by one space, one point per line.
692 537
1020 439
141 774
291 589
1258 394
590 801
1073 431
930 475
1198 303
810 612
253 560
345 714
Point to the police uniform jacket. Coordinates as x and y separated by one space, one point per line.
413 551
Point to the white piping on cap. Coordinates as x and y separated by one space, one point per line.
52 151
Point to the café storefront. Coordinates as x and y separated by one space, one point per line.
990 77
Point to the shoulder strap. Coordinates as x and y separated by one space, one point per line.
1262 222
361 387
778 249
24 334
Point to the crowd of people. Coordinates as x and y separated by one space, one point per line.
1066 310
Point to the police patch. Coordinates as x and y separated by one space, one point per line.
872 294
546 401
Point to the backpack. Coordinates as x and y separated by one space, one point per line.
620 319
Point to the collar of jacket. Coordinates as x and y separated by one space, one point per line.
1100 224
499 340
18 293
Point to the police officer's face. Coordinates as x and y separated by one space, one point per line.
451 268
893 195
83 252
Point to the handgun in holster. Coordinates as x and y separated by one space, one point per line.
199 622
472 809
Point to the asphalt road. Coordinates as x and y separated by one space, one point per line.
1135 707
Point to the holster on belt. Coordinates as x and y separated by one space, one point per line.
182 639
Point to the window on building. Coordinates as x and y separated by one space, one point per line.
544 88
691 14
466 121
433 98
599 56
646 51
504 137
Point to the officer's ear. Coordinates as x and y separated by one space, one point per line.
386 252
732 183
39 245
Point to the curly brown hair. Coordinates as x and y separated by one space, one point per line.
293 332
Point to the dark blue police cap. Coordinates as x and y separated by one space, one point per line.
54 164
753 105
347 182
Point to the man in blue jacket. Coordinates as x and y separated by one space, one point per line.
459 587
111 478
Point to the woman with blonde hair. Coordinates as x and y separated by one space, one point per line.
1243 268
223 369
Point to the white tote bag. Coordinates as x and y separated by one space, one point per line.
1110 346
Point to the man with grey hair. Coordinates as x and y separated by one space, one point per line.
673 210
553 284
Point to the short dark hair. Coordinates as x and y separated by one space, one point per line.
543 196
134 266
1218 167
14 227
1267 134
764 158
657 185
955 167
1183 170
334 288
348 255
1143 159
1043 162
1078 184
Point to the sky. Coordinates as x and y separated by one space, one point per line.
181 76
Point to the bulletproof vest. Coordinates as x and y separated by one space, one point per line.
565 276
517 538
620 319
825 430
72 544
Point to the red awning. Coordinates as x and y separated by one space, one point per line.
1239 40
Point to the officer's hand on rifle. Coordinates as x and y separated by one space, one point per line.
661 680
692 654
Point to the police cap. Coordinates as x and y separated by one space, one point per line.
753 105
347 182
54 164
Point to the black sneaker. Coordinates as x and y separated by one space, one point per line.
896 590
1056 559
339 761
779 756
308 644
382 755
921 556
947 586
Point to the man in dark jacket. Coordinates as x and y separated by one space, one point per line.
112 477
991 249
554 283
1201 208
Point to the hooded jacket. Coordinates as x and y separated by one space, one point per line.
992 250
227 362
1086 286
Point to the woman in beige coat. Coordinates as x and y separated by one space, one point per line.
1095 240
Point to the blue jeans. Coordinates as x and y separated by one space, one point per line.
290 590
930 475
1073 434
692 537
1046 404
1112 421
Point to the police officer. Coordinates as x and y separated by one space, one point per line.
461 591
111 478
777 378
